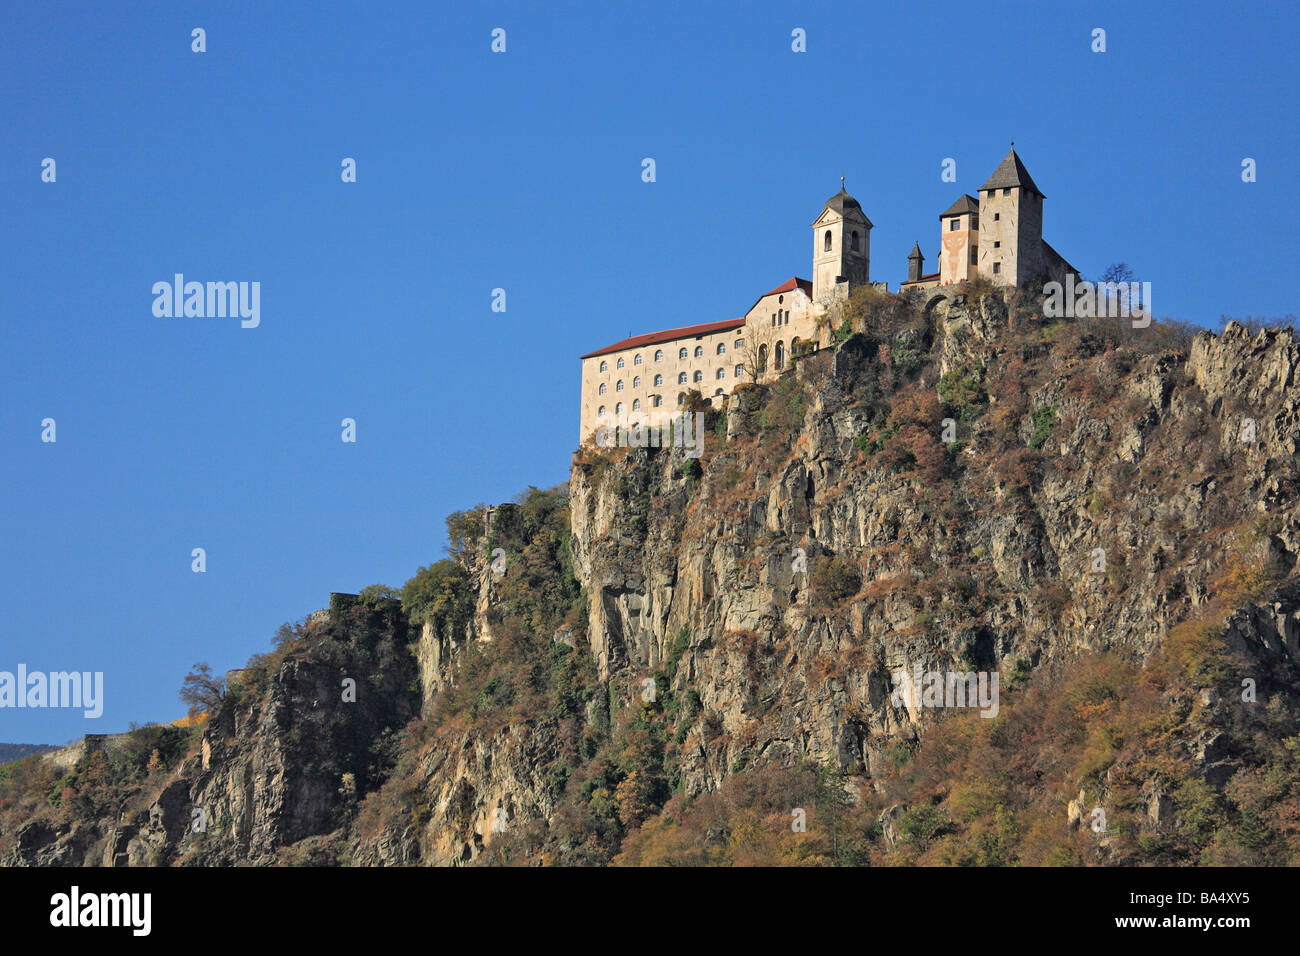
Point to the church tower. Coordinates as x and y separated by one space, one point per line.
841 248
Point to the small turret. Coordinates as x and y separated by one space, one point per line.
915 263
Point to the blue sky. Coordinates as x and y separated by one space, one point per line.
519 171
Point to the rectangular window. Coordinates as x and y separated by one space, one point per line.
997 245
1006 191
972 257
997 267
997 216
952 225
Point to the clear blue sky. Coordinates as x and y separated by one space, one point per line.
521 171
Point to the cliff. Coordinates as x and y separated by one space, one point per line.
672 659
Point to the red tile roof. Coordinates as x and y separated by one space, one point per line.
790 284
690 331
668 335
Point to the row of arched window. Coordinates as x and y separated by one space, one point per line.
656 401
697 376
682 353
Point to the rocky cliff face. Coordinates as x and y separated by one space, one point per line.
957 490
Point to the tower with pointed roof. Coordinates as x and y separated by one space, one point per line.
841 248
915 263
1010 224
959 240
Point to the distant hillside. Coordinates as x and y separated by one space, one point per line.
11 752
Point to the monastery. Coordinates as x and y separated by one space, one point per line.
644 379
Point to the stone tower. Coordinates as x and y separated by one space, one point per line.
959 234
1010 224
841 248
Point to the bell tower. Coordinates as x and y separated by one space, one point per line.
841 248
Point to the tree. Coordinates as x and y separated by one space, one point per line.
201 691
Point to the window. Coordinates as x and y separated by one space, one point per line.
620 363
636 381
787 316
636 404
738 344
699 376
952 224
853 241
774 318
659 379
601 411
740 370
826 243
681 397
794 345
619 386
997 268
780 299
699 351
681 353
997 216
972 257
722 373
722 348
997 245
604 366
778 357
618 409
659 355
681 379
718 392
602 389
762 358
636 360
1006 191
656 400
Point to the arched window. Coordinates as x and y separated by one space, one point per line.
601 411
681 398
681 378
826 243
636 404
659 355
618 409
699 351
619 386
778 357
636 359
722 373
718 392
604 366
681 353
699 376
656 400
853 241
740 370
762 358
636 381
602 388
794 346
722 348
620 363
659 379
